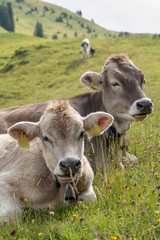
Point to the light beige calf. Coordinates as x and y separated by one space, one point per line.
56 151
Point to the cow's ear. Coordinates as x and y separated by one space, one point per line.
24 132
92 80
96 123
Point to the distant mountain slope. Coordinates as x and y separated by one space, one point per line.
55 20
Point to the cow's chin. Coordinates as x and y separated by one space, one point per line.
66 178
122 122
122 126
140 117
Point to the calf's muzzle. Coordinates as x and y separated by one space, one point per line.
70 163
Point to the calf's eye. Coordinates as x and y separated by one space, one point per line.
45 139
115 84
82 134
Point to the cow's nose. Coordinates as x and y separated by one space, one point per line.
145 106
70 163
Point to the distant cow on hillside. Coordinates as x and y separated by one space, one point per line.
86 49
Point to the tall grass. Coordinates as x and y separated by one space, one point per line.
128 205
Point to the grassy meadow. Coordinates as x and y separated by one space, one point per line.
128 205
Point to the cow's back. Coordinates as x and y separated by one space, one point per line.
30 112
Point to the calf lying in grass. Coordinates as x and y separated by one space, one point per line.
40 173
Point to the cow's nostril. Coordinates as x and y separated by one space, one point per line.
78 165
63 166
140 106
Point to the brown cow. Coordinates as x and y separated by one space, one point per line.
118 90
56 152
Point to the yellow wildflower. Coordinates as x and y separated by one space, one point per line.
25 200
5 221
158 221
151 135
74 215
152 226
40 234
89 154
113 238
155 174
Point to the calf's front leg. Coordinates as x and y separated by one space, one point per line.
84 185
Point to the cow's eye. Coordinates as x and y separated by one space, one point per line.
115 84
82 134
45 139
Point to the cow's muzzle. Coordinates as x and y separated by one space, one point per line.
69 166
145 106
141 108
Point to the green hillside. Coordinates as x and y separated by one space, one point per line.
2 30
128 201
28 12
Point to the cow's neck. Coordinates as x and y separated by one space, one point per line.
92 102
87 103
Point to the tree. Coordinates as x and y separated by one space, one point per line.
54 36
65 35
38 30
6 17
79 12
64 14
82 25
11 19
59 19
19 1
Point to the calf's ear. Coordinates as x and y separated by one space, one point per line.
96 123
92 80
24 132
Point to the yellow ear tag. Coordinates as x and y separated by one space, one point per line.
95 130
23 142
94 86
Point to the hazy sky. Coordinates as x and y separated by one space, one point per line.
136 16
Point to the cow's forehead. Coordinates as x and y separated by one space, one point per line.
120 59
122 67
61 119
121 63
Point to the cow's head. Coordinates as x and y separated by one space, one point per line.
61 130
92 51
122 86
